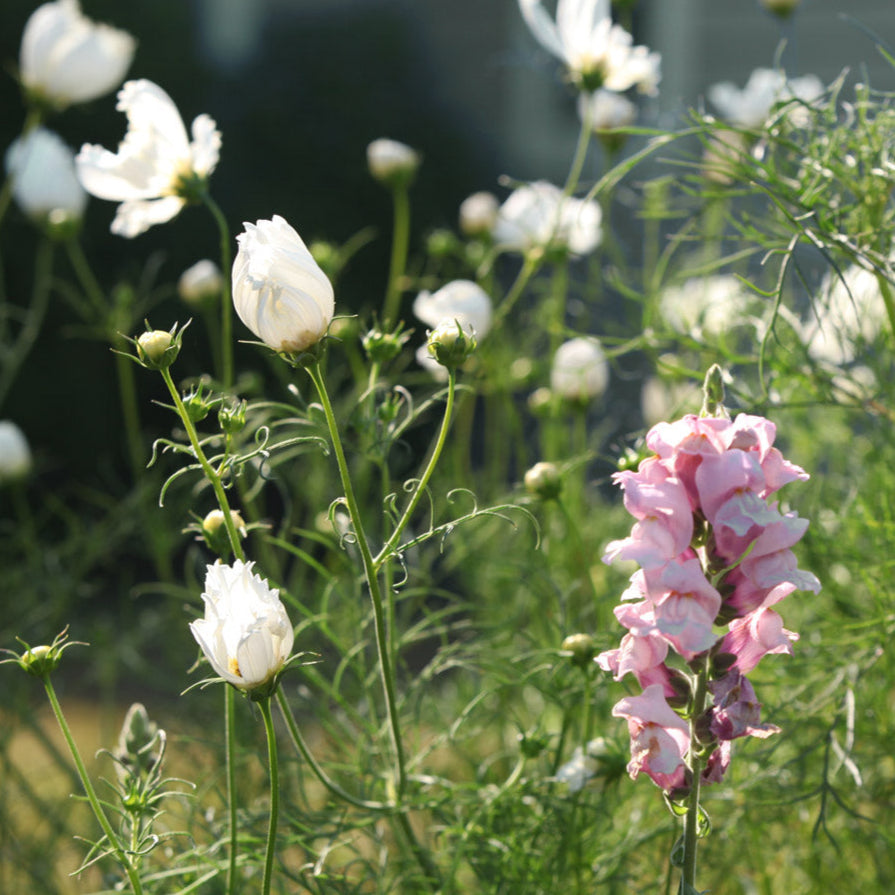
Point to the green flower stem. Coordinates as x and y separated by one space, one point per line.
120 853
532 261
210 473
370 571
386 669
239 553
580 156
573 531
400 244
305 752
226 371
418 492
691 820
27 335
264 706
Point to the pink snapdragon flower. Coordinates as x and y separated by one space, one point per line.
713 551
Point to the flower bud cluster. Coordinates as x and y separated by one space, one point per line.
714 550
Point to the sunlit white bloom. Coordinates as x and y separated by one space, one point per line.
245 634
580 371
390 161
537 215
478 214
848 313
157 168
202 281
15 455
707 306
605 110
279 291
596 52
751 105
460 300
66 58
44 182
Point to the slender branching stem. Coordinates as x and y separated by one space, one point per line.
696 762
226 353
400 244
119 851
264 706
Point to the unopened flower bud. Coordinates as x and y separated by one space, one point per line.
15 455
713 391
450 344
441 243
580 648
543 480
41 660
382 347
391 162
215 533
539 401
478 214
232 418
201 284
157 348
782 8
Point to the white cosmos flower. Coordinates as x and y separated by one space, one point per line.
245 634
707 306
751 105
44 182
596 52
15 455
580 371
537 215
460 300
279 291
848 314
66 58
157 168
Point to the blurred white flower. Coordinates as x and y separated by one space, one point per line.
392 162
478 214
245 634
537 215
707 306
200 282
44 182
606 110
279 291
751 105
66 58
15 455
460 300
157 169
848 312
580 371
663 400
596 52
576 772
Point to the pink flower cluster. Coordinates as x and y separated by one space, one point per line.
713 551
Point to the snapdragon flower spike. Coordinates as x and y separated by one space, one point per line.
713 551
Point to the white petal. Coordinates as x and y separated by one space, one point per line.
137 216
542 26
206 146
117 177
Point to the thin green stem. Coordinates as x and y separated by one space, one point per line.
210 473
530 264
386 669
400 245
581 148
226 371
264 706
419 490
89 283
230 761
370 572
691 820
34 317
305 752
114 843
